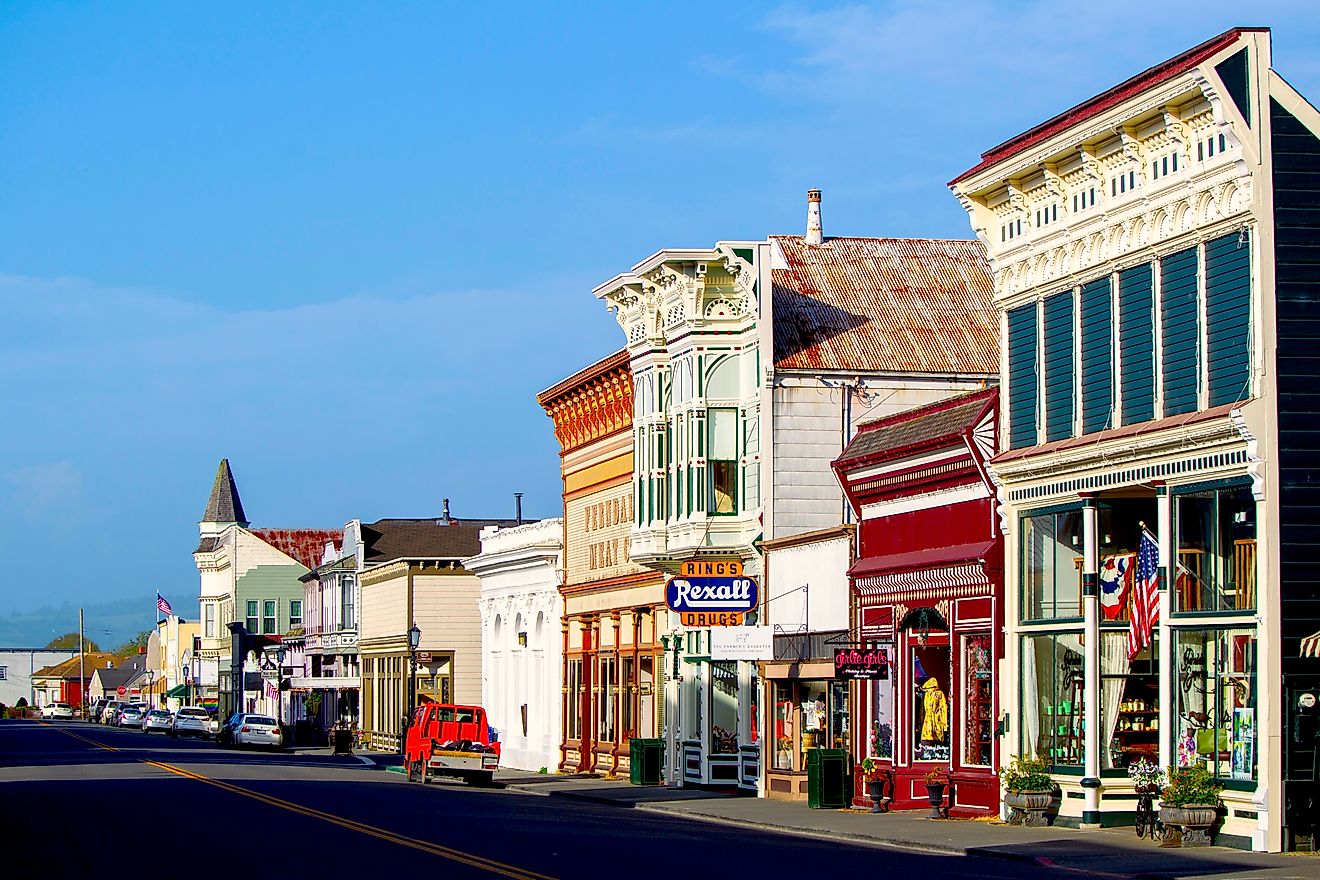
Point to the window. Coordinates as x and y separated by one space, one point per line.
1129 701
1228 317
1097 356
347 598
978 700
608 688
627 691
4 673
1051 577
1059 366
881 739
724 707
268 616
1215 674
722 460
785 726
1052 698
1216 538
208 615
1083 200
1180 332
1136 319
295 613
930 703
1022 384
252 620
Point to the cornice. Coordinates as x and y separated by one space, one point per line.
600 406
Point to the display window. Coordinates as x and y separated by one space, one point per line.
573 700
785 715
1052 707
607 687
1129 701
810 714
1215 671
1051 579
882 718
930 702
724 707
1216 537
978 700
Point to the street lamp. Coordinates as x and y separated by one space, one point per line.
414 639
279 684
151 689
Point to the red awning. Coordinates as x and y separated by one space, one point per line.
870 566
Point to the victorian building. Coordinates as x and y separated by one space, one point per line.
614 609
328 681
521 640
1153 252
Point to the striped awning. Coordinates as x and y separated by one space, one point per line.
1310 646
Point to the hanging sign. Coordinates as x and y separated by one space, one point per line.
742 643
861 664
423 657
711 593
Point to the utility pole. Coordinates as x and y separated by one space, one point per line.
82 670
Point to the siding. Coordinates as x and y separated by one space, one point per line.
1097 356
384 609
1136 323
1022 380
1228 317
1059 369
446 610
1180 332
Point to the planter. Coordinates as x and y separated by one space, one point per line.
1028 807
935 790
875 789
1193 822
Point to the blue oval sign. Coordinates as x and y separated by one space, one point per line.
691 594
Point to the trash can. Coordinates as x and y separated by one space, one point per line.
342 740
827 779
644 758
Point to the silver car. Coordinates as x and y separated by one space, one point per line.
255 730
157 719
191 721
131 715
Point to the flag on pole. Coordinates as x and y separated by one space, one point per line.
1115 581
163 605
1145 595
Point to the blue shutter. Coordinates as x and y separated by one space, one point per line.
1097 356
1022 389
1136 321
1228 317
1180 331
1059 366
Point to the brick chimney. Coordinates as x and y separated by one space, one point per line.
813 235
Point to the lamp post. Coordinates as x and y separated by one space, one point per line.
279 685
414 639
151 689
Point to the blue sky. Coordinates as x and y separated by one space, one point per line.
345 244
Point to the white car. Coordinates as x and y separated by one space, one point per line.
251 730
57 710
191 721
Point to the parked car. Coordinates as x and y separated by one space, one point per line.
451 740
109 711
157 719
94 709
131 715
57 710
246 729
191 721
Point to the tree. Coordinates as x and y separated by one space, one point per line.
132 646
69 641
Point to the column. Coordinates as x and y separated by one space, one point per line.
1091 744
1168 711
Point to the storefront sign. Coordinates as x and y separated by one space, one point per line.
423 657
742 643
710 593
866 664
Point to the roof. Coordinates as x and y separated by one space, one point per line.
906 305
1148 78
92 660
113 678
919 426
307 546
933 557
224 505
610 362
389 539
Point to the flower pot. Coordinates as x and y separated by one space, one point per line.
875 789
1193 822
935 790
1028 807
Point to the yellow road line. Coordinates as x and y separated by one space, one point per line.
491 865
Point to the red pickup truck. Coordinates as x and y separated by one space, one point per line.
450 740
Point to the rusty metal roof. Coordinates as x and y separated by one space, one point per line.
895 435
906 305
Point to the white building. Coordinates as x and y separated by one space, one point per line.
521 647
17 666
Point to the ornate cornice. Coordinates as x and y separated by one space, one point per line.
598 406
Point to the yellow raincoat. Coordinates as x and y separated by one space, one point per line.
935 717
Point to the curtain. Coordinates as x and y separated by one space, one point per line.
1113 662
1031 696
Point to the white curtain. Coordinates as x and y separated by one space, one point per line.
1031 695
1113 662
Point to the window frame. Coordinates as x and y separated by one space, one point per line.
730 463
253 617
273 617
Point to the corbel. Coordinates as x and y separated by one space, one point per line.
1132 148
1177 132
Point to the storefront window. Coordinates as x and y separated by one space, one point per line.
838 715
1129 701
573 700
754 721
978 700
882 718
785 725
648 688
1052 705
930 703
1051 577
814 704
607 687
1215 672
1216 551
724 707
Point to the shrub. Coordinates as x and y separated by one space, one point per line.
871 769
1191 785
1026 774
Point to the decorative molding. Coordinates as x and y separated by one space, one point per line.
599 407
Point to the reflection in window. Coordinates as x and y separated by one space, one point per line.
1216 690
1216 551
724 707
1051 578
1052 698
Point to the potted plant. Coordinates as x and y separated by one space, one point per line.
873 774
1190 802
936 780
1146 777
1029 790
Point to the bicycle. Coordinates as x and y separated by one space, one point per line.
1148 820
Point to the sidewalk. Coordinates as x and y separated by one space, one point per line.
1113 853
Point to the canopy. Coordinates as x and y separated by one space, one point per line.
179 691
1310 646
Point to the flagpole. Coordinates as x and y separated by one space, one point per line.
82 668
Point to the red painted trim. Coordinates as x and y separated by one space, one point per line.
918 559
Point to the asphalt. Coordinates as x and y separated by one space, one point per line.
77 799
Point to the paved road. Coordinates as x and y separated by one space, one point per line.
81 797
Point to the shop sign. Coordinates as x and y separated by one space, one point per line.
863 664
423 657
742 643
711 593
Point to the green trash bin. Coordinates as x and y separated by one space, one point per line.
827 779
644 758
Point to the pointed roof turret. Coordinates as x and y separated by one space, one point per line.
224 505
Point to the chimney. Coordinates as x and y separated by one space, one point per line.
445 515
517 507
813 235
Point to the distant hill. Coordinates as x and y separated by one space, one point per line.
107 623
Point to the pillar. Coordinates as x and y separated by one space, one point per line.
1168 711
1091 744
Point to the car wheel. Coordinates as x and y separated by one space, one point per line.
412 771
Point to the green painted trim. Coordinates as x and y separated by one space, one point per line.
1225 483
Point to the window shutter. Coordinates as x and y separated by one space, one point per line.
1097 356
1022 376
1228 317
1059 366
1136 321
1180 331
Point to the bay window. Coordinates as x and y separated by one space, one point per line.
722 460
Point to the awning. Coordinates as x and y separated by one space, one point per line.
1310 646
937 557
179 691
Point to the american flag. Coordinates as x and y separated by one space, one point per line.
163 605
1145 595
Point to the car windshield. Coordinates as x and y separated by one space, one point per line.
260 719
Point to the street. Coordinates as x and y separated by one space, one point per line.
147 801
